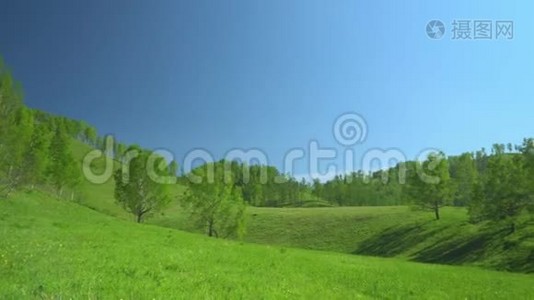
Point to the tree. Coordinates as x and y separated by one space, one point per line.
173 168
18 141
74 176
36 156
217 205
90 135
527 150
121 149
505 187
135 190
100 143
12 113
430 186
62 164
475 207
465 178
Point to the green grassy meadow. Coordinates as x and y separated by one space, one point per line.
53 249
160 150
392 231
90 248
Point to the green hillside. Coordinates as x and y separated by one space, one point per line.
97 196
394 231
398 232
387 232
265 150
57 249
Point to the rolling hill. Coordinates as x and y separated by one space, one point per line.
54 249
394 231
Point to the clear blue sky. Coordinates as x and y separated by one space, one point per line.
275 74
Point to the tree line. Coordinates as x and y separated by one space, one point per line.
261 185
34 146
496 186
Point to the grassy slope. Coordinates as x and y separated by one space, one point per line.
51 249
333 229
377 231
387 232
397 232
97 196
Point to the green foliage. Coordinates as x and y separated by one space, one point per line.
527 151
90 135
135 190
360 189
63 170
464 175
36 155
34 145
504 194
121 149
431 188
215 202
10 147
173 168
266 186
18 139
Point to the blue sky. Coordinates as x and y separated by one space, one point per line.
275 75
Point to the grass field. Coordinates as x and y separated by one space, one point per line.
53 249
387 232
374 231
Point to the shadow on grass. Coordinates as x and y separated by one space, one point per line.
396 240
455 250
490 246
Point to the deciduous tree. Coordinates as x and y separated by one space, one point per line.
60 169
135 190
216 204
431 185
